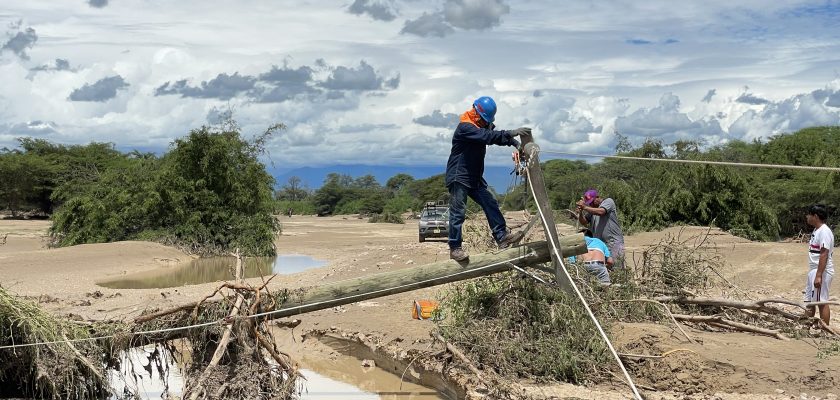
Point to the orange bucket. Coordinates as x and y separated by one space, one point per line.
423 309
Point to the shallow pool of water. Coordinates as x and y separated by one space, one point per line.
148 373
213 269
340 377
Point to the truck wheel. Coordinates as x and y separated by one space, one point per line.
422 238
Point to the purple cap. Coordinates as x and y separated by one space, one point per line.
589 196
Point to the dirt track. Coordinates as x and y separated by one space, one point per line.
65 281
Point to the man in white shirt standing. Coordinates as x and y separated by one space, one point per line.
820 252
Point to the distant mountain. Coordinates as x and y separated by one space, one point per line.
313 177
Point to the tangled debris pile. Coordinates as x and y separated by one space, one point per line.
58 370
229 347
513 326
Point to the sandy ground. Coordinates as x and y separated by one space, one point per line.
723 365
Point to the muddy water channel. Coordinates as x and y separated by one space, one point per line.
353 371
213 269
337 376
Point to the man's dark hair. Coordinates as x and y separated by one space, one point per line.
819 210
586 232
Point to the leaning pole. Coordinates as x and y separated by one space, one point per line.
384 284
314 298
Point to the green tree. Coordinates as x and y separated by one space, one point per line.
24 180
398 182
292 190
209 193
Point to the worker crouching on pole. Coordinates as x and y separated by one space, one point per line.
465 174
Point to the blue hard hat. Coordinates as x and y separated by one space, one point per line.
486 108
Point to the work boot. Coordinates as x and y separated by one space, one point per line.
511 239
458 254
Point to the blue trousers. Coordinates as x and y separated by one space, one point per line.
458 207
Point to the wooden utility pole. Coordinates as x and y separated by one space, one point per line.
531 153
405 280
392 282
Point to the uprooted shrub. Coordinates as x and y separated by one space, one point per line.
518 327
523 329
66 365
53 371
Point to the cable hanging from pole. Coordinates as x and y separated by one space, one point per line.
591 314
674 160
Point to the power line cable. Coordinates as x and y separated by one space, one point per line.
353 298
674 160
582 299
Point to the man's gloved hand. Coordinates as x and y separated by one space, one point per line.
520 131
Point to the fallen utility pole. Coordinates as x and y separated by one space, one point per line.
393 282
348 291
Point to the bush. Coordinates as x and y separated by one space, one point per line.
209 194
386 218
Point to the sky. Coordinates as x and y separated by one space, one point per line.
382 82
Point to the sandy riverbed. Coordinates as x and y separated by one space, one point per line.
737 365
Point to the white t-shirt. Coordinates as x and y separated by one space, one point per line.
822 238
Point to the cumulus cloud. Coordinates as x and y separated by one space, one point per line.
708 97
284 83
59 64
437 119
366 128
461 14
791 114
222 87
98 3
559 121
378 10
31 128
286 74
20 40
281 84
428 25
666 120
100 91
749 98
833 100
363 77
474 14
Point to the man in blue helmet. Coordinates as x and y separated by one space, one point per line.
465 170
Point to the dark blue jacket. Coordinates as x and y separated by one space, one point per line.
469 145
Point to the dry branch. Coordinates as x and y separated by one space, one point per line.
198 387
82 359
727 323
656 356
461 356
667 310
757 305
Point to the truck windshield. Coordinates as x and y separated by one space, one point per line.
434 214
